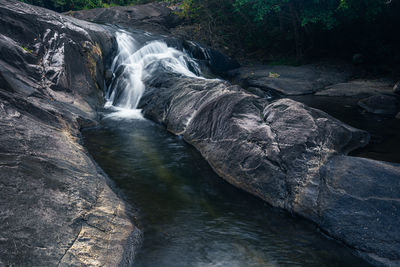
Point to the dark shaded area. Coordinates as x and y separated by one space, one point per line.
293 31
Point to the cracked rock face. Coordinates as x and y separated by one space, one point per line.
56 205
288 154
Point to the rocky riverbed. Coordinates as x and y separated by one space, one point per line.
57 206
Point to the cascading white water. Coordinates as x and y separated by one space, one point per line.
130 69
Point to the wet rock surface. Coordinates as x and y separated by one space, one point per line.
57 206
278 151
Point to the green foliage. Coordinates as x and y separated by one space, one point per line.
273 75
301 25
323 12
26 49
188 9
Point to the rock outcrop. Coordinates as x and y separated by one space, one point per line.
152 17
286 153
56 205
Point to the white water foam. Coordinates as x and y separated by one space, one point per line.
132 65
124 113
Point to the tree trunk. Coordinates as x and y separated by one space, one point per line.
296 31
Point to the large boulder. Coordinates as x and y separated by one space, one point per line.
283 152
57 207
291 80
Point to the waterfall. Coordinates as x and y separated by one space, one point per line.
132 65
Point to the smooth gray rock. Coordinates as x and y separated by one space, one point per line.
357 88
281 152
360 205
290 80
380 104
56 206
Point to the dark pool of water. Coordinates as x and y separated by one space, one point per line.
190 216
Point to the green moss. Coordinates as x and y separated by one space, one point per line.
97 50
274 75
26 49
93 56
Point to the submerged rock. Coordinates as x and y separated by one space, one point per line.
380 104
57 206
283 152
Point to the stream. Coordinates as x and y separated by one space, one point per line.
189 215
192 217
